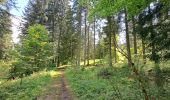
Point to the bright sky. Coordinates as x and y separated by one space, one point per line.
21 4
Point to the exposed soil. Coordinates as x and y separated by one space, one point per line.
58 90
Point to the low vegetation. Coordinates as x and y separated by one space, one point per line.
28 88
105 83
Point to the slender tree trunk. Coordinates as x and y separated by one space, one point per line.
134 36
143 51
154 56
99 48
71 48
79 37
110 41
114 41
94 40
85 35
88 47
127 39
58 47
53 35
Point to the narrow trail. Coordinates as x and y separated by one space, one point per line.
64 89
58 90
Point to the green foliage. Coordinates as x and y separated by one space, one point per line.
33 14
5 33
105 73
35 52
68 40
30 88
4 70
155 35
104 8
88 84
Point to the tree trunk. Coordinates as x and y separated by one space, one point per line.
154 56
114 41
53 36
127 40
134 36
143 51
58 47
79 37
71 48
110 42
85 35
88 47
94 40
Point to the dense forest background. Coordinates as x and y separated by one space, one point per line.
112 49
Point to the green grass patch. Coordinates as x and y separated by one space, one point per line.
30 88
120 84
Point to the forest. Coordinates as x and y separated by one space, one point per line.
86 50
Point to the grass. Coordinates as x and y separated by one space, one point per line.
30 88
88 84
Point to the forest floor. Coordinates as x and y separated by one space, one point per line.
58 89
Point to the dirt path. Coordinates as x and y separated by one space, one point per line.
58 90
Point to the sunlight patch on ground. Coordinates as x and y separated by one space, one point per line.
54 73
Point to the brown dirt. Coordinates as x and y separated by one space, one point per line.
58 90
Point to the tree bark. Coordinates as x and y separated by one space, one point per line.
143 51
127 39
114 41
88 47
58 47
94 40
110 42
79 37
85 35
134 36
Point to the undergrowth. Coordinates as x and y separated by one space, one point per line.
29 89
103 83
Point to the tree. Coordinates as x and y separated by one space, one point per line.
155 31
68 40
110 40
5 25
127 39
35 53
130 8
34 14
85 35
134 35
56 13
